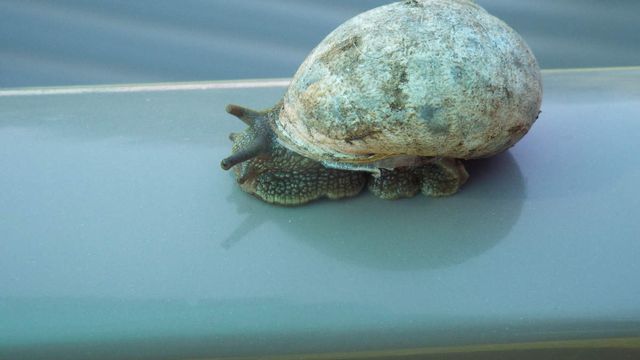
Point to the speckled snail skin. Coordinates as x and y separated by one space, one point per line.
393 99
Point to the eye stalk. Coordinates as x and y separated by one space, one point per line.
258 147
247 116
259 135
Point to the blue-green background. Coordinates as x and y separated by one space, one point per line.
67 42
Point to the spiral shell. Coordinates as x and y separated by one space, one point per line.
427 78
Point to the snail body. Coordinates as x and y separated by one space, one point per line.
394 98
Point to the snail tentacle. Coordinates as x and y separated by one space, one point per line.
247 116
258 147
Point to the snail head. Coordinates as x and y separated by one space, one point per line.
255 142
272 172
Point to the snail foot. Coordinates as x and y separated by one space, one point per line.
443 177
395 184
293 189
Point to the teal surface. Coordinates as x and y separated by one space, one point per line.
121 237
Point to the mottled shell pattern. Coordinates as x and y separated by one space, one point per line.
428 78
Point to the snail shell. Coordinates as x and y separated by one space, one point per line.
424 78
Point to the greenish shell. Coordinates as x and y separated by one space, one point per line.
418 78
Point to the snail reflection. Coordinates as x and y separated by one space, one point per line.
405 235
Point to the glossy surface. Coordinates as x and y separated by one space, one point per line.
121 236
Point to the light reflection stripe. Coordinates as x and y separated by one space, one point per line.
107 89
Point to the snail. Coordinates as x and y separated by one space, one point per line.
395 100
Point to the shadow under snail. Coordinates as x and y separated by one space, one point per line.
393 100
